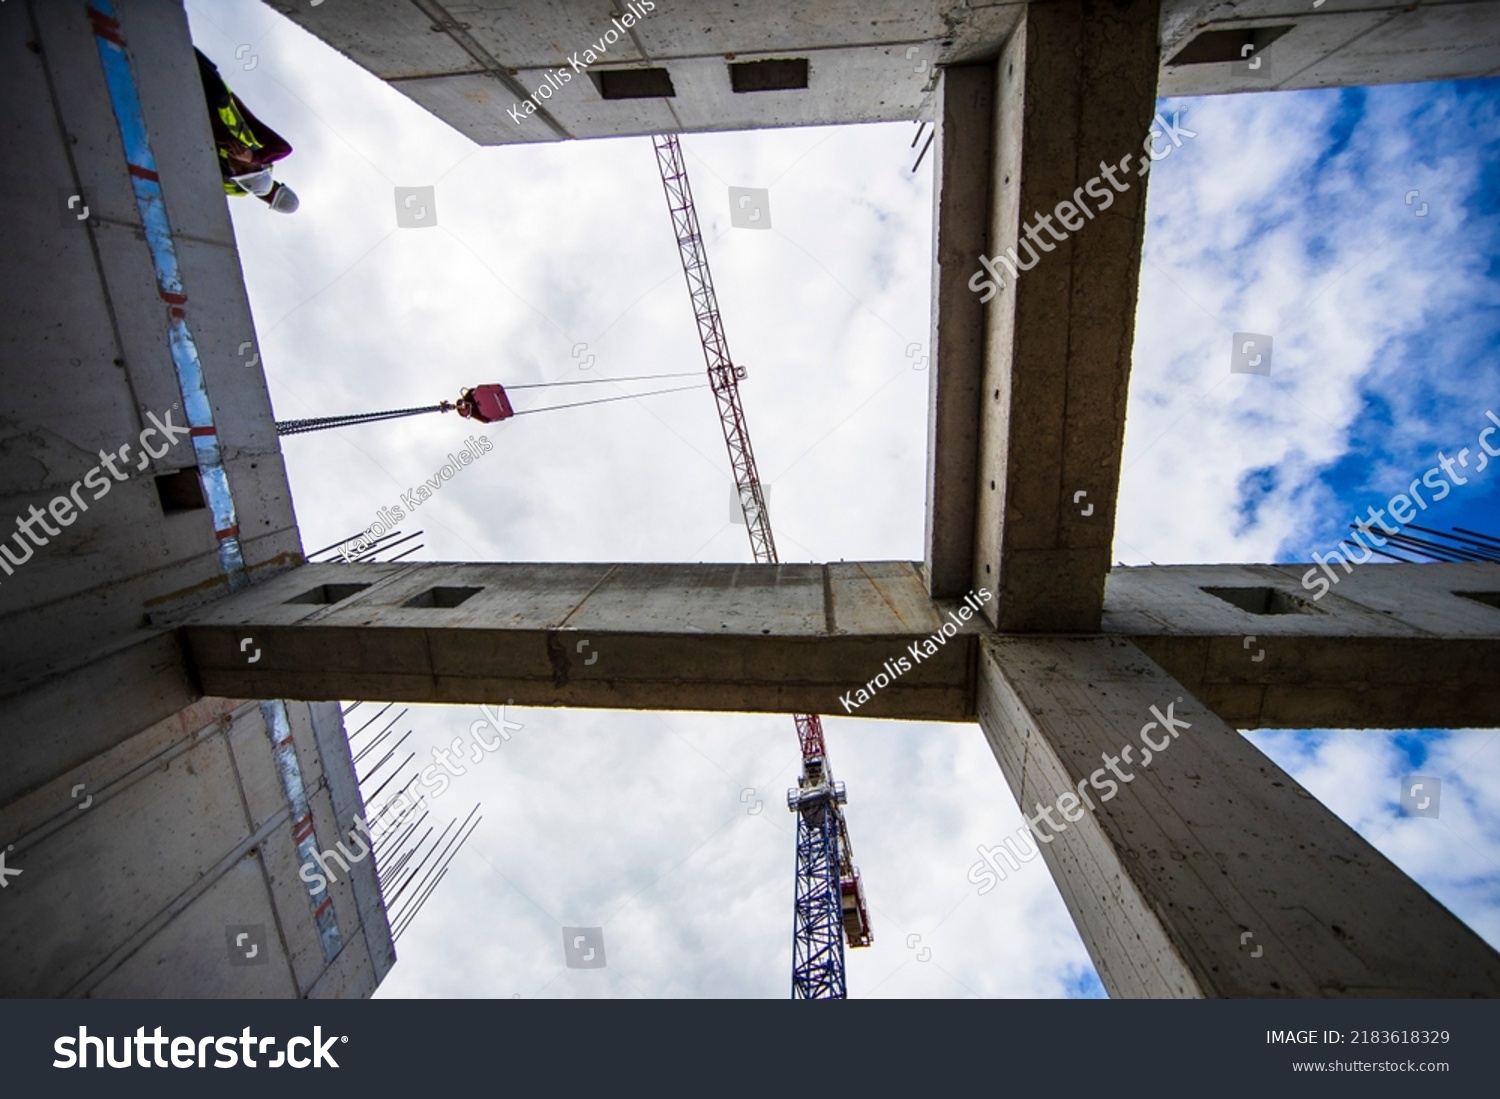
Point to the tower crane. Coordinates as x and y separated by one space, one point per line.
829 906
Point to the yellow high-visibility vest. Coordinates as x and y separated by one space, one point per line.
240 129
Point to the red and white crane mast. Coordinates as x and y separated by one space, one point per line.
829 906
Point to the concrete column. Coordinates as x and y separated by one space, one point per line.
963 159
1076 85
1210 872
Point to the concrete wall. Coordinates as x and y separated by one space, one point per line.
143 818
85 358
140 868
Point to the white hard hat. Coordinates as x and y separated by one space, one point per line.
284 200
257 183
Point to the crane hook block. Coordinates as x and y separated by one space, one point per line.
486 403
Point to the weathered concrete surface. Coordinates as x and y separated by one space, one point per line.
1074 93
84 353
1210 853
1390 646
144 817
773 638
868 60
963 155
373 946
1391 643
134 863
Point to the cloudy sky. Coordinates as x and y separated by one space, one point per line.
1285 216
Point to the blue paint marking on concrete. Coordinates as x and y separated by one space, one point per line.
279 729
126 101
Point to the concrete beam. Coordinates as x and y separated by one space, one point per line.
869 60
471 65
1076 91
771 638
1210 872
963 155
1389 646
1299 46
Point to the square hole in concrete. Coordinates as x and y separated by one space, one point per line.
1216 47
1488 598
329 593
633 83
1263 600
442 597
769 76
180 490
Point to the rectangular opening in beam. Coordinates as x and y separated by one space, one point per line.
1235 44
782 75
329 593
1488 598
442 597
1263 600
634 84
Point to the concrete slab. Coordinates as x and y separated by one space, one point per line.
343 791
351 975
145 683
86 358
294 914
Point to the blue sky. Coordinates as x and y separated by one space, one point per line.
1285 215
1404 418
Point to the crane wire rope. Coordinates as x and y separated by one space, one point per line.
323 423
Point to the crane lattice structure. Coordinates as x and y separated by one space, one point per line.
829 904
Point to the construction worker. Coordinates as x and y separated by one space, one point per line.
247 146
